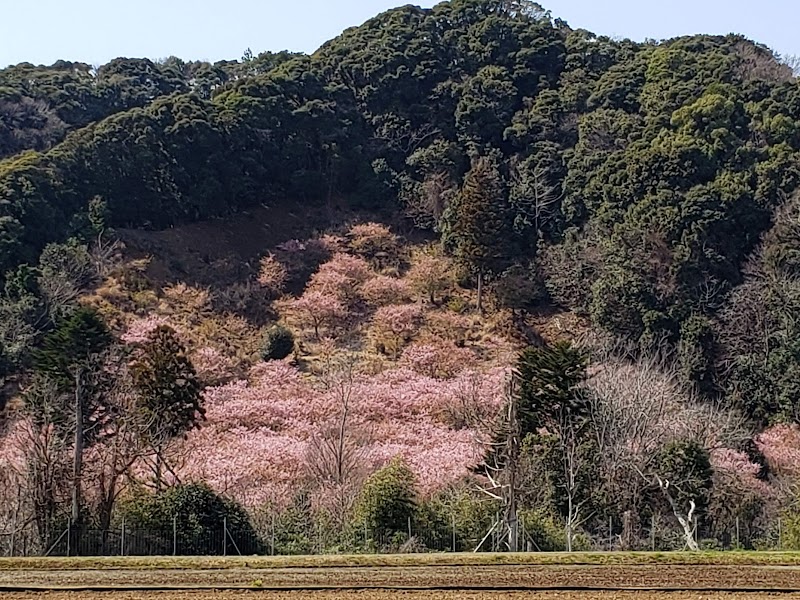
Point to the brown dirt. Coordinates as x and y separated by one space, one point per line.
491 577
369 595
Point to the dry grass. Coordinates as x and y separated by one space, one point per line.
405 560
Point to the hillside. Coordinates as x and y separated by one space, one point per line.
297 278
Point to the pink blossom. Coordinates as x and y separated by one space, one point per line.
383 290
738 472
780 445
212 366
393 326
340 277
441 358
139 331
272 274
316 309
259 432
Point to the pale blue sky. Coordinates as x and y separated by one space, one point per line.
95 31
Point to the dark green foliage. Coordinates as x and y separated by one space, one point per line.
278 343
687 468
199 517
73 344
387 501
480 230
550 387
167 385
637 177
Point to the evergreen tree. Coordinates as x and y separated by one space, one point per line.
170 399
67 356
550 386
387 500
72 346
481 230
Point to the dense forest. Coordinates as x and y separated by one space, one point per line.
518 174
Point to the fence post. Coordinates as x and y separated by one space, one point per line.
738 541
653 533
122 539
524 536
273 534
175 535
453 518
224 536
610 533
409 529
366 542
69 535
780 534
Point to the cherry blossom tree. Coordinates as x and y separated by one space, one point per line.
431 274
374 242
438 359
272 275
393 327
341 277
780 445
316 309
383 291
281 430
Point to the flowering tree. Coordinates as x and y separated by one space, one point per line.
394 326
430 275
282 429
272 275
440 358
383 290
341 277
375 242
780 445
316 308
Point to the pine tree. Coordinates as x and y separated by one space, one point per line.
170 399
482 227
67 355
72 345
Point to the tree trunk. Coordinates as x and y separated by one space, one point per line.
513 529
77 462
569 522
480 292
158 469
687 522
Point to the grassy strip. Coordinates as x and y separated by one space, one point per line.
402 560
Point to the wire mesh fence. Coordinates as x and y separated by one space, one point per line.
179 539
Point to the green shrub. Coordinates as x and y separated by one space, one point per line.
460 509
195 515
278 343
387 501
543 531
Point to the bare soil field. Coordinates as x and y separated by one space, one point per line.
445 577
505 577
386 595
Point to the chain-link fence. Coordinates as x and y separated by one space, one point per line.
493 535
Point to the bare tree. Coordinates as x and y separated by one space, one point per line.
534 195
44 443
793 62
638 407
501 468
336 458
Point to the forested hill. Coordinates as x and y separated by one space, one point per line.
39 105
630 182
